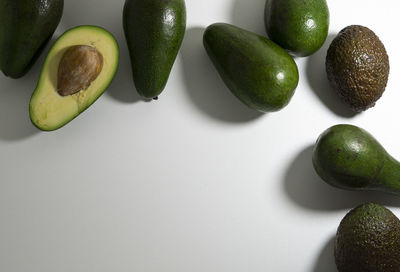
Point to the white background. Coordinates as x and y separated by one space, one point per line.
195 181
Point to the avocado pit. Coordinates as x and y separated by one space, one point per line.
79 67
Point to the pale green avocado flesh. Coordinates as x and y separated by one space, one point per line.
48 109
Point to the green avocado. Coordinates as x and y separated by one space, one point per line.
257 71
358 67
77 70
348 157
25 28
300 26
368 240
154 31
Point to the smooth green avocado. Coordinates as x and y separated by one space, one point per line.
257 71
154 31
25 28
77 70
301 27
358 67
348 157
368 240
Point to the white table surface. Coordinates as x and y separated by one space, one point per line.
194 181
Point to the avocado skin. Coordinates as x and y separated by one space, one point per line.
257 71
25 28
301 27
368 240
348 157
154 31
358 67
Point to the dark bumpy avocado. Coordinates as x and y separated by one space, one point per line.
348 157
154 31
368 240
77 70
25 28
257 71
358 67
298 26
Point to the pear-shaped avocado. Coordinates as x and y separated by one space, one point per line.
25 28
298 26
77 70
368 240
357 66
154 31
257 71
348 157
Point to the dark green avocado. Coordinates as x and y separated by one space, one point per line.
300 26
357 66
368 240
25 28
257 71
154 31
348 157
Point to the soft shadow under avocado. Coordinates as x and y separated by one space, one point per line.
318 81
15 95
249 15
14 108
204 86
326 259
122 88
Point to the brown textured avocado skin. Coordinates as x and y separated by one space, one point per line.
357 66
368 240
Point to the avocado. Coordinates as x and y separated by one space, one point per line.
154 31
357 66
77 70
258 72
348 157
25 28
368 240
301 27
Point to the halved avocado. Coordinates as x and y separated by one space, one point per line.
77 70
